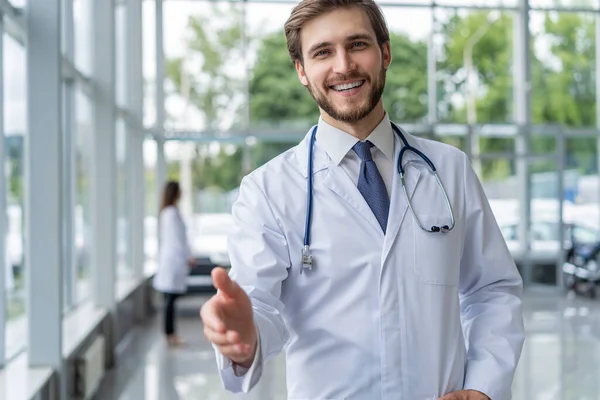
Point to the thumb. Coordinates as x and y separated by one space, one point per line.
223 283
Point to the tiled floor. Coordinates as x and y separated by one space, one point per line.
561 358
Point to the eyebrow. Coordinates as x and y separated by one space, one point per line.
358 36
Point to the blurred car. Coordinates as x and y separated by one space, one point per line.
545 246
208 241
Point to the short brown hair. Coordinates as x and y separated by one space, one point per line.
309 9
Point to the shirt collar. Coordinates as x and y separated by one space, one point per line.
338 143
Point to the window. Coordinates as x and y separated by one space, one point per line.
82 214
18 3
591 4
149 60
15 129
505 3
563 69
124 263
205 83
474 65
150 218
120 56
82 25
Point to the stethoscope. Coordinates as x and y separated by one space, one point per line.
307 261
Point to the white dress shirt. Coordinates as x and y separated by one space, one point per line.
338 146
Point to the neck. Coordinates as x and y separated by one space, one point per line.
360 129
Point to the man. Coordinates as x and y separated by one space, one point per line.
390 309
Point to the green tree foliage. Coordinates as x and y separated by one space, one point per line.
563 87
277 98
492 60
562 64
204 73
207 77
405 95
223 170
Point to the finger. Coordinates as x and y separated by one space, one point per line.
236 351
211 317
221 339
223 283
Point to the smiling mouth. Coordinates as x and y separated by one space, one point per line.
347 86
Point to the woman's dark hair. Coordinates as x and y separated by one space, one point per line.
171 193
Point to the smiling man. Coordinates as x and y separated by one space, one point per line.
382 276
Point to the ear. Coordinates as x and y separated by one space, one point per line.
301 73
386 51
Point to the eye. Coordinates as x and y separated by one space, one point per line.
321 53
359 44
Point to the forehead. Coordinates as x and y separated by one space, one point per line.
335 26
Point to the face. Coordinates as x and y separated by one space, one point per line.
344 66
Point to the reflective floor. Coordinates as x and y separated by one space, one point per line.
561 358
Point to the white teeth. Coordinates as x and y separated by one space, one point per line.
348 86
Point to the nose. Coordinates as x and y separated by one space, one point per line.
344 62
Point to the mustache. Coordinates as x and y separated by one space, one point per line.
343 78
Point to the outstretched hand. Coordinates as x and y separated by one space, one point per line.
228 320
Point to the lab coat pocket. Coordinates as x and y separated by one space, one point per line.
437 255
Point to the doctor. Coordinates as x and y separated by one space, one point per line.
391 299
174 259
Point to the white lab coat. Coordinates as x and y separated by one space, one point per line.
174 253
407 315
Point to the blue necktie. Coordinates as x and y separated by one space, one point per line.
371 185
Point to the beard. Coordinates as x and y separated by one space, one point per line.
355 112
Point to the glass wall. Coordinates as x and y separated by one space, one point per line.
124 262
120 54
149 60
231 87
82 213
18 3
151 207
563 67
453 78
15 130
474 55
76 175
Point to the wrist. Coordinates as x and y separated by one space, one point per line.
247 363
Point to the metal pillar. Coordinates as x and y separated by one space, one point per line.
104 163
522 116
44 186
69 162
135 136
432 116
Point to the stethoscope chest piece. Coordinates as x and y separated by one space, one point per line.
307 260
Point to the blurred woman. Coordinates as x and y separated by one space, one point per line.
174 259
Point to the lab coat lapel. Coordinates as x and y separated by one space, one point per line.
398 203
340 183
